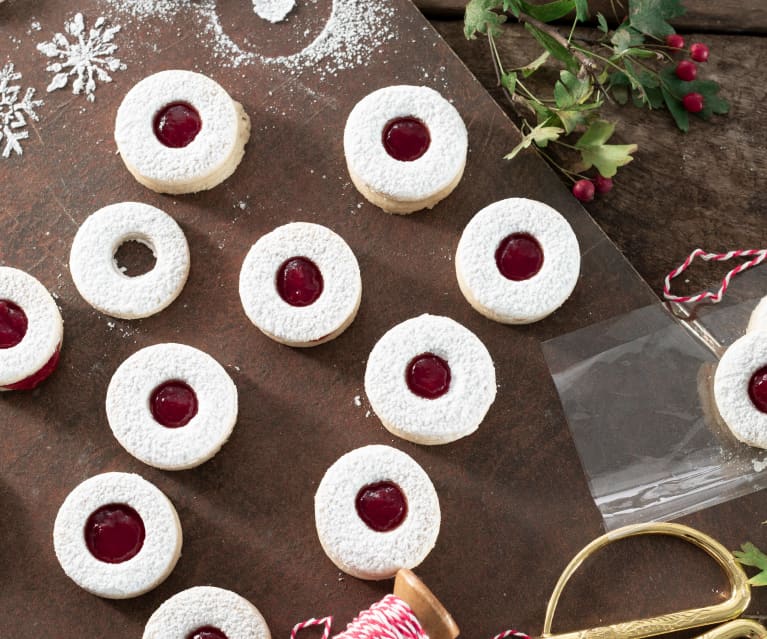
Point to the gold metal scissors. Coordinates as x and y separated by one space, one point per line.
724 613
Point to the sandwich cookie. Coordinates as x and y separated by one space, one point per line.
180 132
740 388
31 331
301 285
758 319
97 276
117 536
205 612
430 380
171 406
376 511
517 261
405 148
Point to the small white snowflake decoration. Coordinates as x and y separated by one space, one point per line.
87 58
13 123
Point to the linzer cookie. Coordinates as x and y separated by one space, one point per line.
205 612
100 281
171 406
740 388
517 261
301 285
376 511
31 331
180 132
430 380
117 536
405 148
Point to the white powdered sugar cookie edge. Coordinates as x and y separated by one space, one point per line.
733 373
348 541
438 168
95 273
273 10
208 160
758 319
455 414
202 606
330 314
130 416
509 301
45 328
147 569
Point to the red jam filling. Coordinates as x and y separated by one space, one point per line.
428 376
299 281
13 324
757 389
406 139
114 533
173 404
519 257
28 383
382 506
206 632
177 124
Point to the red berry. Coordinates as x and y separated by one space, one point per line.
675 41
686 70
583 190
693 102
602 184
699 52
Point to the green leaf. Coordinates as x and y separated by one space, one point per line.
712 101
651 16
605 157
582 10
550 11
509 81
480 18
536 64
624 38
569 91
602 23
553 47
750 555
571 119
678 112
515 6
541 135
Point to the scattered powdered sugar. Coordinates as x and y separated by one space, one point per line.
273 10
355 29
14 111
87 58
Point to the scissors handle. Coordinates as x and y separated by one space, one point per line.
737 602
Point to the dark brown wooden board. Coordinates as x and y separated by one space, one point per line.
515 504
726 16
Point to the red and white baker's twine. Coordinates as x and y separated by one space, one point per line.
759 256
390 618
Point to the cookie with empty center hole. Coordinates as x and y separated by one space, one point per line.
376 511
31 331
405 148
180 132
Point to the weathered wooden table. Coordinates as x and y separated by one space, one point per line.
515 502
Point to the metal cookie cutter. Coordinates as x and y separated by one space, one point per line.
724 613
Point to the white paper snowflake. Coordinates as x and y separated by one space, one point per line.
87 58
13 123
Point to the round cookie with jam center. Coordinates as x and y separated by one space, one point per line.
180 132
206 612
740 388
300 284
405 148
517 261
376 511
31 331
430 380
171 406
117 536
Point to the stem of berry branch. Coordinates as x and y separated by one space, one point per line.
517 102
